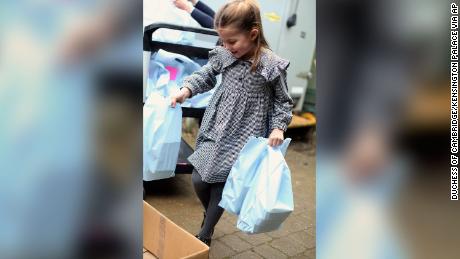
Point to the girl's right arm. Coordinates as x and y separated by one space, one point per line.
204 79
200 81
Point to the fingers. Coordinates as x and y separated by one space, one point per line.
278 142
173 102
274 142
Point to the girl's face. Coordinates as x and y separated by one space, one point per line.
240 43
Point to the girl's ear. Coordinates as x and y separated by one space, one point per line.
253 34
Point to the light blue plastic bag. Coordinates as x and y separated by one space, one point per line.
158 80
182 65
166 82
166 72
243 172
269 200
162 137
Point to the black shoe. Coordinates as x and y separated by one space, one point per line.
207 241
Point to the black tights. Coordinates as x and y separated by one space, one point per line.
210 195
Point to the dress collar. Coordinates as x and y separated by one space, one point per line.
267 66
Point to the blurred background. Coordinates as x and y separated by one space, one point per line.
383 169
70 152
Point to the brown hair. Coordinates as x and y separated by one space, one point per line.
243 15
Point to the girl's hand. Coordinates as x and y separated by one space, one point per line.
276 137
184 5
180 97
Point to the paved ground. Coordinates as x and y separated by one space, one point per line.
176 199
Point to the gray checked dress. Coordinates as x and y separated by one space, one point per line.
245 104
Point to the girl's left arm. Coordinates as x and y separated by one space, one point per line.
283 104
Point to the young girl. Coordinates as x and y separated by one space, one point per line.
252 100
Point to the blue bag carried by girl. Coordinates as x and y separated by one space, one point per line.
269 200
162 137
244 171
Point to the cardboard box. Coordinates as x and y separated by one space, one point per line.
166 240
